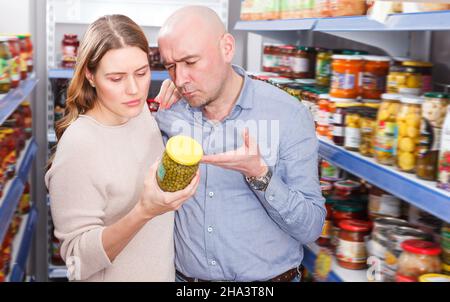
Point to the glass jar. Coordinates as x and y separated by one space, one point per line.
408 123
14 66
300 63
346 72
323 67
443 181
419 257
425 70
330 172
343 210
338 109
346 189
352 130
433 114
340 8
28 119
325 237
5 57
29 47
368 127
385 135
382 204
323 116
376 69
351 250
404 80
323 9
24 56
179 163
69 46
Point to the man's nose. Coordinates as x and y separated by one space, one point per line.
180 76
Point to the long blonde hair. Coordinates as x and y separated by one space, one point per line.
106 33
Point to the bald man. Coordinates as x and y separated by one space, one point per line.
259 198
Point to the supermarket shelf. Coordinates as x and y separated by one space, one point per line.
22 245
337 273
14 188
51 136
420 193
10 101
439 20
57 272
63 73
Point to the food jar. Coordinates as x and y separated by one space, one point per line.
325 236
404 80
368 127
408 123
419 257
14 66
346 72
340 8
300 63
385 135
383 204
338 109
179 163
346 189
26 53
351 251
376 69
330 172
425 69
443 181
323 67
324 116
5 57
343 210
69 46
352 140
433 114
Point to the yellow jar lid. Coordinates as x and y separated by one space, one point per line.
434 278
184 150
417 64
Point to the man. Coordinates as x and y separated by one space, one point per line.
259 197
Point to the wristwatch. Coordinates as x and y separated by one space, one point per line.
259 183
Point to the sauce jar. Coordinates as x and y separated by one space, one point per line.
346 72
325 237
368 128
352 130
408 123
24 56
330 172
382 204
69 45
433 114
14 66
300 63
443 180
385 137
376 69
179 163
346 189
419 257
5 57
351 250
324 116
338 109
323 67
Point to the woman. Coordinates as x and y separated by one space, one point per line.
114 222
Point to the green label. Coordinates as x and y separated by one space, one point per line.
161 172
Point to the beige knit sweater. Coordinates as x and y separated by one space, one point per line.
96 178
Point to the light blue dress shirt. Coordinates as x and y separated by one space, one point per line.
228 231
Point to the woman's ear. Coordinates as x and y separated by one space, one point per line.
90 77
228 47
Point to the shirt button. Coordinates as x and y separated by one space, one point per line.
211 194
213 262
210 229
271 197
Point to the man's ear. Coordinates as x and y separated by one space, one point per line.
228 47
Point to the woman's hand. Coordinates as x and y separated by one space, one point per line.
154 201
168 95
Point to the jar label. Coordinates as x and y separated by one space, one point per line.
299 65
345 81
14 67
373 82
323 68
161 172
269 61
338 131
4 71
386 205
352 137
337 118
329 171
350 251
323 118
23 61
385 140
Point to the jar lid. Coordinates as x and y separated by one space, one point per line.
402 278
421 247
347 57
325 185
437 95
306 81
412 99
372 101
417 64
184 150
354 225
347 184
391 96
377 58
325 96
434 278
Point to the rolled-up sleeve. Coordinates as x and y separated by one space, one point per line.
293 197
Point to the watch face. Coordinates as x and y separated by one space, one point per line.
258 184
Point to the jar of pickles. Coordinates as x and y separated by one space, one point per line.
404 80
425 70
352 139
346 72
323 67
368 127
433 115
408 123
385 137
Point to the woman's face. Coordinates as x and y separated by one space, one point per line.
122 81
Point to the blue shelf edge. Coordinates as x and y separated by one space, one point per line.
15 97
429 199
19 267
12 197
309 260
63 73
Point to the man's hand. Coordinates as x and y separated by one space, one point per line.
168 95
246 159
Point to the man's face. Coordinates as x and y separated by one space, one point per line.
195 64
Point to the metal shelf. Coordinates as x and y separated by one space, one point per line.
62 73
337 273
10 101
439 20
420 193
22 245
14 189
